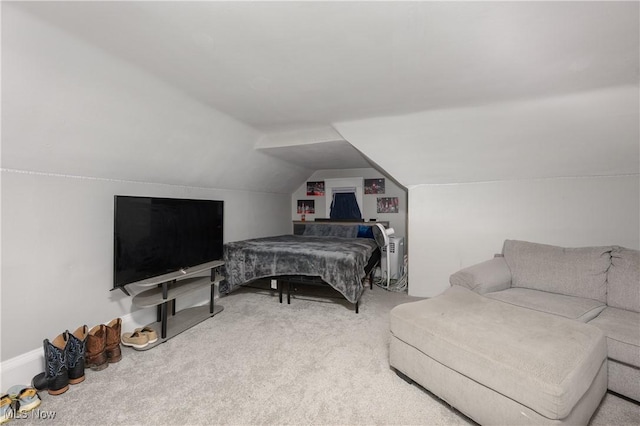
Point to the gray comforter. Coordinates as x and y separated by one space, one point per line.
340 262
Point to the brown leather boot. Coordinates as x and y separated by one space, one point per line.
96 350
113 340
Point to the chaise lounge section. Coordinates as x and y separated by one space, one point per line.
497 363
534 336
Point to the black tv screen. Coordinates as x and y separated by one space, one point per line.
156 236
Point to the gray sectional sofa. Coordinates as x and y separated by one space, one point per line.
596 285
533 336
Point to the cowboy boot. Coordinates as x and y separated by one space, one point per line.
113 340
96 344
75 352
55 372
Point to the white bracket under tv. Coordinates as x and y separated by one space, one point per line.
168 288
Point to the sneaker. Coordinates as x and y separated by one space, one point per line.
151 334
136 340
6 408
25 398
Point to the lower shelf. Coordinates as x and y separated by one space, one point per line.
180 322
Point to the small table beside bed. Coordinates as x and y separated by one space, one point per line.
340 255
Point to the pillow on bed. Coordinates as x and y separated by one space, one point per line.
365 231
317 230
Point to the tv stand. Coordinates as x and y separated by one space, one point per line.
167 288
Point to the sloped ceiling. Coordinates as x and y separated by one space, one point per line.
278 66
71 109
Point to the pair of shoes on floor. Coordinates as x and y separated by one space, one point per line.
67 356
64 359
18 399
140 338
103 345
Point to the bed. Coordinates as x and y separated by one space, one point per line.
330 255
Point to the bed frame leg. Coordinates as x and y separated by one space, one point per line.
288 292
279 284
357 307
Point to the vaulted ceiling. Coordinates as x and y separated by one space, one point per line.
278 66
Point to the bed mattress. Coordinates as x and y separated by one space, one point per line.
340 262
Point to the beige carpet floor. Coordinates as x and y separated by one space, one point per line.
313 362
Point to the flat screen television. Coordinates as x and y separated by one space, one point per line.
156 236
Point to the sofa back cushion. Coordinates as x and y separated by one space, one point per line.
580 272
623 289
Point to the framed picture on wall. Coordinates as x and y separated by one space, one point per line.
387 204
374 186
315 188
306 207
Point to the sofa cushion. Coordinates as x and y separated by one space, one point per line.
580 272
542 361
622 329
575 308
623 288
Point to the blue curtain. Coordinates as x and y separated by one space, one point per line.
345 206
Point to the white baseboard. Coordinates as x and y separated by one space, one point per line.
21 369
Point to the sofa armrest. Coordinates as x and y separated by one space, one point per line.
485 277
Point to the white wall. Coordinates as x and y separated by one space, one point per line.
396 220
458 225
